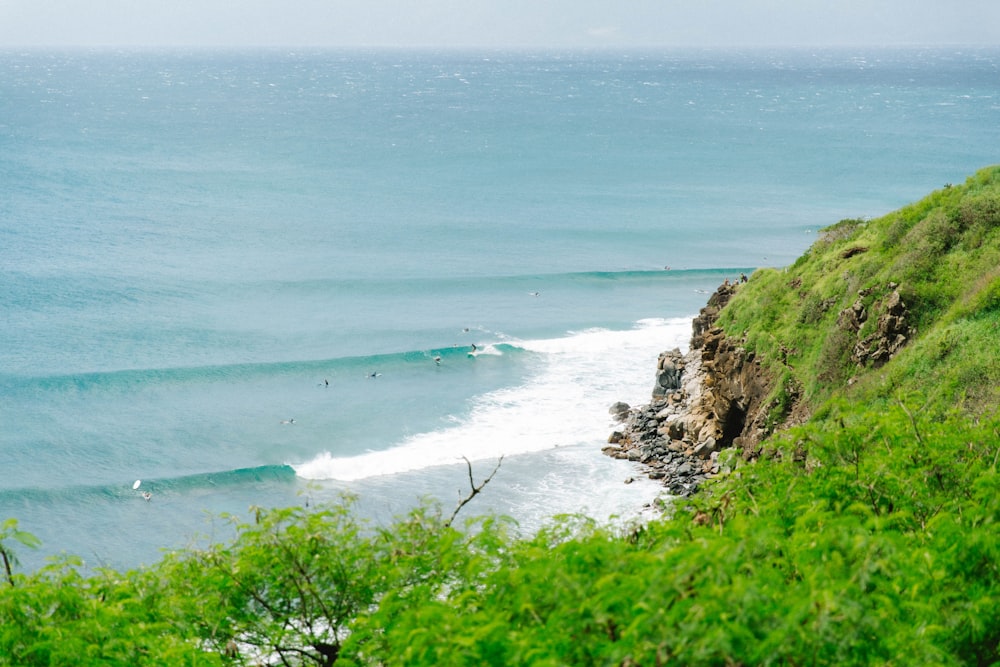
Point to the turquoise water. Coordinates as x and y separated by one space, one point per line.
198 248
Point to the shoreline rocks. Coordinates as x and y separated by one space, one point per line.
700 401
718 396
656 435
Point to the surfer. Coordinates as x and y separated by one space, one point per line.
535 293
437 360
374 374
287 421
146 495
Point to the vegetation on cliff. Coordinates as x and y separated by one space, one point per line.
920 285
865 529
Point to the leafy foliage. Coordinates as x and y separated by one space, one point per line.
57 616
9 532
882 541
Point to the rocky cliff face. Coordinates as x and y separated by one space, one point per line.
709 399
891 332
719 396
704 401
730 409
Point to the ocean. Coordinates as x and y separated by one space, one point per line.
268 278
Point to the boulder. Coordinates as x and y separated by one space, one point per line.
669 368
620 411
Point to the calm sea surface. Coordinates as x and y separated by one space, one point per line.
205 256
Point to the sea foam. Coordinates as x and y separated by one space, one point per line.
564 403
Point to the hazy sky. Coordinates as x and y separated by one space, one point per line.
498 23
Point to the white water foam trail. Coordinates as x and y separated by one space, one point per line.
565 403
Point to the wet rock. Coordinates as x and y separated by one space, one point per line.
669 368
620 411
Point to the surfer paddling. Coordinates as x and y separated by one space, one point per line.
146 495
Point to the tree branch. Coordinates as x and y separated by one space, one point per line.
10 573
913 422
475 489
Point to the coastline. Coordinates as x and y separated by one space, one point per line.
678 436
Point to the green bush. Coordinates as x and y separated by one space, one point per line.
881 542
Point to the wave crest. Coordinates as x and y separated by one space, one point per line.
563 402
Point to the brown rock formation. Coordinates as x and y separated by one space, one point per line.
717 395
891 333
729 410
703 401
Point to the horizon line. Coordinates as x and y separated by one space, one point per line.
523 48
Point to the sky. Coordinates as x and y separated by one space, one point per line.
497 23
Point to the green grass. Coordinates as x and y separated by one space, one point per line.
943 256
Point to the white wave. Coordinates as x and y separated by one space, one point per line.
571 480
489 350
564 403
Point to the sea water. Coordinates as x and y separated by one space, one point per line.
268 278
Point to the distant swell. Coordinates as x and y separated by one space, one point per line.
186 484
396 286
127 379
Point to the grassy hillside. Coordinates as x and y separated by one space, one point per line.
869 536
941 255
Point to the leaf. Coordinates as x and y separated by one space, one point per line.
27 539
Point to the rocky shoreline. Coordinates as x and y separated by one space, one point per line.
678 436
718 397
652 435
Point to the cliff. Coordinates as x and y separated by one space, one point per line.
903 305
709 399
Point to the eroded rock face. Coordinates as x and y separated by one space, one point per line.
703 401
728 408
669 370
892 330
715 396
707 315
